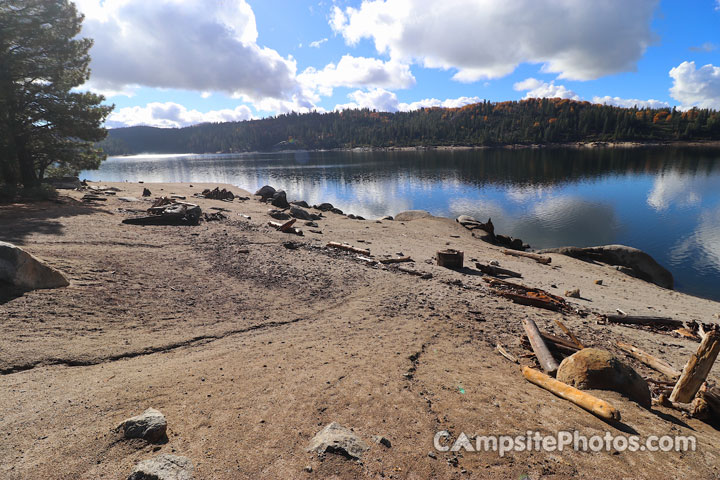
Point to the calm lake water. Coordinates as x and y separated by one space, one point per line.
661 200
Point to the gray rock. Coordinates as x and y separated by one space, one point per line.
146 192
335 438
299 213
301 203
164 467
311 224
325 207
599 369
266 192
279 199
24 271
642 265
337 211
412 215
469 222
279 215
151 426
386 217
382 441
128 199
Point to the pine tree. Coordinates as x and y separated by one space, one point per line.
43 123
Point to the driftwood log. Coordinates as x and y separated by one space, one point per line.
531 301
506 354
417 273
643 320
396 260
534 256
547 361
697 369
649 360
592 404
349 248
497 271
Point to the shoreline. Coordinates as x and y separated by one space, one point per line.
250 340
714 144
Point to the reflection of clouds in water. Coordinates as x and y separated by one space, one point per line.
525 193
557 221
702 247
681 189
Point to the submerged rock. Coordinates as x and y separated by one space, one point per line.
641 264
164 467
592 368
335 438
22 270
412 215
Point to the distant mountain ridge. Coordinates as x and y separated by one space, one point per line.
531 121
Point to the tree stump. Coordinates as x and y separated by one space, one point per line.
450 258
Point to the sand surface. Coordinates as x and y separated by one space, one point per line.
248 355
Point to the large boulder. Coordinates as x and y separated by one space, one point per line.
469 222
412 215
335 438
266 192
592 368
164 467
151 426
324 207
24 271
300 214
279 199
643 266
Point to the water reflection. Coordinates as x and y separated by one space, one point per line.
664 201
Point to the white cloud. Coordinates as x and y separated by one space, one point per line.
629 102
183 44
489 39
357 72
696 87
317 43
385 101
171 114
538 89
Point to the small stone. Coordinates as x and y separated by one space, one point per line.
311 224
151 426
495 263
432 455
379 439
335 438
598 282
146 192
308 469
575 293
164 467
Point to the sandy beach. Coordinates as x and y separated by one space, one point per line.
249 345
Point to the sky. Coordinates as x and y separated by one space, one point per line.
173 63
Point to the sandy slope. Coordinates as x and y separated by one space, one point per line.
250 354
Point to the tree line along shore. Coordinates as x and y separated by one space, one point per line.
518 123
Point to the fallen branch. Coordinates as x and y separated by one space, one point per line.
697 369
349 248
547 361
649 360
640 320
396 260
532 301
286 227
534 256
592 404
569 333
423 275
506 354
497 271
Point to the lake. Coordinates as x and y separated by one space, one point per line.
665 201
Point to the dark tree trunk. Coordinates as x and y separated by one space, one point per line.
28 175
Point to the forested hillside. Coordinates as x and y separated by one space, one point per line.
533 121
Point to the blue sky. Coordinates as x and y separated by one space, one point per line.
178 62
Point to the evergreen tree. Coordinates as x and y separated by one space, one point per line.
43 123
